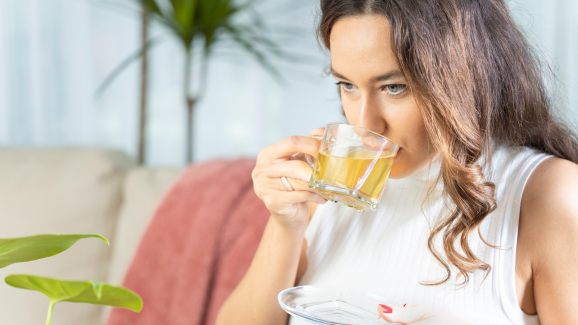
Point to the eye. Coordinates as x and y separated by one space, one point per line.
395 89
345 85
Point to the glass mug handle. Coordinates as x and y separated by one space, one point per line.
310 159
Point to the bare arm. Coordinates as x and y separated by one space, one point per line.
273 269
280 258
548 233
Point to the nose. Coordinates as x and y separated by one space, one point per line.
370 116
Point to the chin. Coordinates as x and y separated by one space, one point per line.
399 168
399 171
404 166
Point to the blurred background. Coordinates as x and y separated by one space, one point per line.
71 89
54 55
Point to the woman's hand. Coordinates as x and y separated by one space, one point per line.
417 315
289 208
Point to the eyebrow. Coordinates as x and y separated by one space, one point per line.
383 77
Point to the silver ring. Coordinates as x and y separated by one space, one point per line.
286 183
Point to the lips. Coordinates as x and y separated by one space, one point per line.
397 155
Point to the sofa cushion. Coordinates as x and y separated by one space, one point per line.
142 191
59 191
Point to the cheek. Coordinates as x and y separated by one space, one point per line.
350 111
417 151
417 135
399 120
404 125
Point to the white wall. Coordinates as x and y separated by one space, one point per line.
54 54
552 28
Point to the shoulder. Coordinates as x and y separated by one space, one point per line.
552 188
548 236
549 213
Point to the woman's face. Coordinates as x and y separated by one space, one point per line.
374 93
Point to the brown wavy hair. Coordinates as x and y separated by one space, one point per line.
477 83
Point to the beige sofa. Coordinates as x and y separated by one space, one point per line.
74 190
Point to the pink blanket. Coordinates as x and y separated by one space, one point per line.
197 247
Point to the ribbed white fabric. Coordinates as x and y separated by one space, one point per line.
385 252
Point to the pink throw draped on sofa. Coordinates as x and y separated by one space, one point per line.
197 247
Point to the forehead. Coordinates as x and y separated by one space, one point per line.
362 45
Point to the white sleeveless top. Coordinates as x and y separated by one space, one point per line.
385 252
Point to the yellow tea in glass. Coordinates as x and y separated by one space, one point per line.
352 166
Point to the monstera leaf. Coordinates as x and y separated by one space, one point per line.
89 292
26 249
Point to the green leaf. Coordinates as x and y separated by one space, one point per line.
25 249
186 14
97 287
215 23
153 7
182 20
259 56
90 292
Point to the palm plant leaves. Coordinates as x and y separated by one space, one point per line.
213 22
153 7
183 14
212 15
239 37
124 64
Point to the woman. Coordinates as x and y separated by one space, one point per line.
479 220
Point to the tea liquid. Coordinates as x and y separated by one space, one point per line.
351 178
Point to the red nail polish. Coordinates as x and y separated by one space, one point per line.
386 309
404 305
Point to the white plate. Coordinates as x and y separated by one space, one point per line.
333 305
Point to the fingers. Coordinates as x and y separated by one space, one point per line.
275 162
287 204
297 173
319 132
298 156
291 169
280 201
268 177
290 146
297 185
301 156
403 315
417 315
303 196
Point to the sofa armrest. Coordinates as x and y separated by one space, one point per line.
59 191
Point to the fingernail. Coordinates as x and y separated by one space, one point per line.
386 309
404 305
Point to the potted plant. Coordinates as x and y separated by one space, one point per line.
26 249
200 26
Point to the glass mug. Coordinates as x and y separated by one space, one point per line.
352 165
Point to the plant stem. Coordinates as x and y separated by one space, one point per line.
203 79
50 308
190 100
143 88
